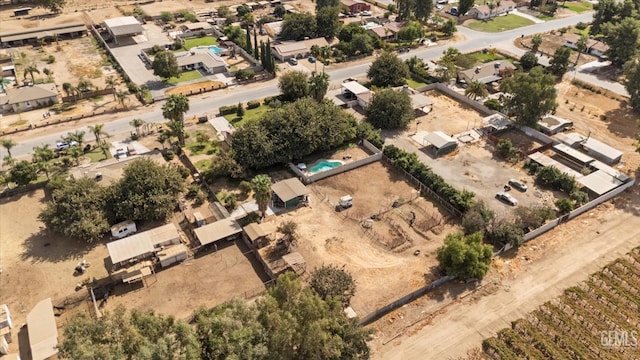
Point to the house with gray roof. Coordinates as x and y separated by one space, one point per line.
201 59
28 98
486 73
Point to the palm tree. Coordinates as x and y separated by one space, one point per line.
43 155
30 69
110 81
84 85
177 130
318 85
104 147
8 160
137 123
68 88
261 186
8 144
76 153
475 90
49 74
581 46
77 136
163 138
536 41
97 131
175 107
121 97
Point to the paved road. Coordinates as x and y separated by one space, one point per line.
473 41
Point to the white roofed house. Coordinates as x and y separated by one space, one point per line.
201 59
123 26
485 12
296 49
354 92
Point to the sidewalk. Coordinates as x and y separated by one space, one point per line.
527 16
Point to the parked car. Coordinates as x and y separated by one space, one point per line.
453 11
507 198
366 13
312 59
518 185
63 145
293 61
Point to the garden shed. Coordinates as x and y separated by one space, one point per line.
172 254
42 330
442 142
288 193
225 229
142 245
258 234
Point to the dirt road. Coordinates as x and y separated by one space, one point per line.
467 323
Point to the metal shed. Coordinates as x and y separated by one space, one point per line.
220 230
441 141
288 193
43 332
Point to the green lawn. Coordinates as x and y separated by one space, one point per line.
185 76
204 165
579 7
485 57
500 23
545 17
249 115
198 148
201 41
414 84
95 155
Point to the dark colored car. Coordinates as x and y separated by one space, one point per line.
518 185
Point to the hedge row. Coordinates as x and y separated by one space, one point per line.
253 104
409 162
230 109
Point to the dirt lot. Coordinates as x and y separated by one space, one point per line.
520 140
328 237
459 117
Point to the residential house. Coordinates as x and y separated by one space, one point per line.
196 26
28 98
388 30
483 12
441 142
296 49
356 6
594 47
486 73
201 59
355 93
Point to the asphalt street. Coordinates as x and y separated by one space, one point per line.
473 41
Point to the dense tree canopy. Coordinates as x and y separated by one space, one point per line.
165 65
55 6
422 9
465 256
632 81
532 95
139 335
390 109
623 39
332 281
294 85
388 70
297 26
78 209
560 61
528 60
146 191
23 172
328 22
464 6
292 132
412 31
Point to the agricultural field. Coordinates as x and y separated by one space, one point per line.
597 319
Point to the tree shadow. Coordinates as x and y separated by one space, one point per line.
26 194
620 120
43 246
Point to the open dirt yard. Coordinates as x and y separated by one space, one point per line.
328 237
448 115
520 140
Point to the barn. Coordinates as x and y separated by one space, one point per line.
123 26
442 142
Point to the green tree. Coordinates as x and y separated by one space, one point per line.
31 69
121 97
564 205
110 83
632 82
390 109
68 88
77 211
559 63
411 31
464 6
176 129
147 191
406 9
84 85
138 335
165 65
23 172
423 9
361 44
279 11
623 38
388 70
327 22
536 41
261 185
136 124
294 85
297 26
366 131
333 281
77 136
318 86
506 232
348 31
54 6
43 155
104 147
327 3
476 89
532 95
451 55
175 107
465 257
166 16
476 218
605 11
8 144
240 110
449 27
528 61
76 153
98 132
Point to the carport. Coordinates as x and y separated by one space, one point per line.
228 229
442 142
42 330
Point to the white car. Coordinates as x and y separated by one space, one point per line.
366 13
63 145
503 196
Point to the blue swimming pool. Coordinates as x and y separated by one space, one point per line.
324 165
215 50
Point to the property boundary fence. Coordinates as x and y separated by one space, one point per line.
377 314
442 87
23 189
308 179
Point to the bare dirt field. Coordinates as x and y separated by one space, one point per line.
328 237
520 140
448 115
550 42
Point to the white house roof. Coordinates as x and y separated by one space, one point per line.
294 48
197 26
124 25
498 121
217 230
439 139
551 122
569 138
355 87
601 148
289 189
209 60
581 157
599 182
275 27
30 93
43 333
141 243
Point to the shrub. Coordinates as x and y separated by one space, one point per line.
230 109
493 104
184 172
192 191
579 197
240 110
244 187
244 74
552 177
50 59
506 233
581 26
505 149
169 155
565 205
253 104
